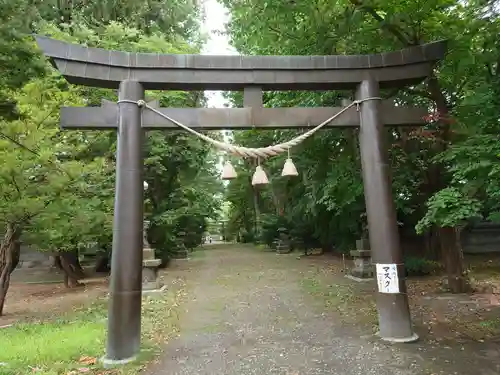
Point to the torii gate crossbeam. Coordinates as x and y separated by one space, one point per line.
133 73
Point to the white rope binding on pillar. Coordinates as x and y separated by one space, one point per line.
260 152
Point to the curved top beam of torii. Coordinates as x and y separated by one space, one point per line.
103 68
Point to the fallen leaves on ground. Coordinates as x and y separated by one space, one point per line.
85 360
438 316
94 371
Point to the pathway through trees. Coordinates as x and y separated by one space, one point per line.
247 313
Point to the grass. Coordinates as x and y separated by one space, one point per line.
480 330
332 295
73 344
352 306
491 324
199 252
50 348
211 328
262 247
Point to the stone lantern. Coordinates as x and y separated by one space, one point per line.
362 257
150 265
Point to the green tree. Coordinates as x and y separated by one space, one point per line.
176 20
16 50
173 161
39 183
59 195
332 192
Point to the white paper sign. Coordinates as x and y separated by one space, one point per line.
387 278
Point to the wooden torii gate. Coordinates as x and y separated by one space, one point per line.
133 73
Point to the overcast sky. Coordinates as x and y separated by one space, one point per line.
216 15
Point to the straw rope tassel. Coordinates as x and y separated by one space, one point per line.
259 176
289 168
228 171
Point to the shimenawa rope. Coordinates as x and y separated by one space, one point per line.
260 152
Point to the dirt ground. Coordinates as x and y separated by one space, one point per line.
453 328
256 312
438 316
42 301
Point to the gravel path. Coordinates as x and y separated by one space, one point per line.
248 314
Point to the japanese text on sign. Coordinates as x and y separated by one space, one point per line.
387 278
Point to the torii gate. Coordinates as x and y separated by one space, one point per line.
133 73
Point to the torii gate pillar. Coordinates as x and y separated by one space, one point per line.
117 69
393 311
124 318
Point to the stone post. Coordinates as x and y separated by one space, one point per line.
283 245
181 252
150 266
363 267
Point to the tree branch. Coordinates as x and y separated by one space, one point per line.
422 93
392 29
15 184
26 218
281 33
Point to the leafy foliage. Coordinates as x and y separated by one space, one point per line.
172 165
444 174
16 51
448 208
57 187
41 185
416 266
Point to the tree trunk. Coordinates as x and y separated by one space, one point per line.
102 263
53 261
256 207
432 245
68 262
452 255
257 213
326 249
451 249
9 258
